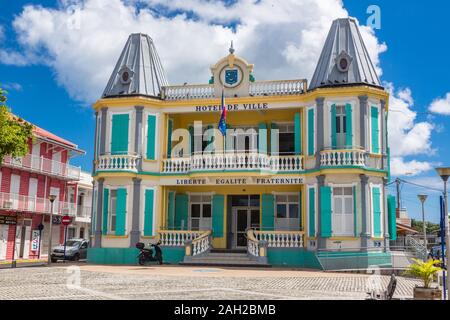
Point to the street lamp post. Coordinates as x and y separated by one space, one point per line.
52 199
445 173
423 198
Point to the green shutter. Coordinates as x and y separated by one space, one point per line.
262 138
375 130
121 211
119 134
151 137
105 211
181 211
333 127
191 140
325 211
355 215
148 212
311 132
376 207
218 205
348 122
312 212
169 137
171 211
268 211
274 148
392 218
297 133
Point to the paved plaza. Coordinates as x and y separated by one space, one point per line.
81 281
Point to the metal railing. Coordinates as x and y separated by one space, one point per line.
354 258
45 166
16 202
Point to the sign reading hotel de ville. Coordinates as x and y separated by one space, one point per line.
233 107
227 181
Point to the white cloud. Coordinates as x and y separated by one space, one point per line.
82 42
12 86
407 137
441 105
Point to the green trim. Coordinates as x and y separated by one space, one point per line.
105 211
151 137
297 133
325 212
121 211
218 205
293 257
376 207
148 212
311 132
267 211
181 211
312 212
375 130
171 210
333 127
392 217
119 133
349 127
169 138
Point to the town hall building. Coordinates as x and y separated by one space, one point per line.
297 179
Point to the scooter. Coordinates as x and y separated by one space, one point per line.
146 255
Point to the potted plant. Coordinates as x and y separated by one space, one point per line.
425 270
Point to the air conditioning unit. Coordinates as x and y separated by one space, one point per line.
7 204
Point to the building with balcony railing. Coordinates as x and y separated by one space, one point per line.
300 169
25 185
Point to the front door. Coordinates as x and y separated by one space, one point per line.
243 219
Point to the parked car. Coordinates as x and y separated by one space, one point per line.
76 249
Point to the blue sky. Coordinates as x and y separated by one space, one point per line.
56 94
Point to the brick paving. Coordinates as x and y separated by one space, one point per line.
176 282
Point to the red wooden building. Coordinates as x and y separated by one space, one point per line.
25 186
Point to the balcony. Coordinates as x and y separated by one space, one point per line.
44 166
352 157
258 88
15 202
125 162
233 162
83 213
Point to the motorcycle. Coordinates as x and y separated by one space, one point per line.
146 255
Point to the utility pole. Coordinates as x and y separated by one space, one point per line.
397 182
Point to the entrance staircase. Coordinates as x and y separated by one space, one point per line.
224 258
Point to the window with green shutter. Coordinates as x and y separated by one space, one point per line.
121 211
312 212
268 211
218 205
181 211
392 218
375 134
148 212
151 137
297 133
349 126
325 212
311 147
119 133
105 215
376 211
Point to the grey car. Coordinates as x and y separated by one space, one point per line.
76 249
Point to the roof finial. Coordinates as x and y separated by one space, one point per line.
231 47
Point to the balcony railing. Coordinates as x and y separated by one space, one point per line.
45 166
233 162
281 239
83 213
258 88
126 162
337 158
15 202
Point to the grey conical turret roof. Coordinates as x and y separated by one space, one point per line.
138 71
344 59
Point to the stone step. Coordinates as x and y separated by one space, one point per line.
226 263
209 258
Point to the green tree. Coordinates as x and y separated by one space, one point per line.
14 132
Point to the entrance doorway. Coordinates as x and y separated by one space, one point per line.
243 219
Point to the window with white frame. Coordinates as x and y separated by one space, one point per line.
287 215
341 126
343 211
245 139
112 211
286 138
200 212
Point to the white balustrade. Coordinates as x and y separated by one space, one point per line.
335 158
40 164
252 244
16 202
233 162
281 239
188 92
126 162
201 244
174 238
277 87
